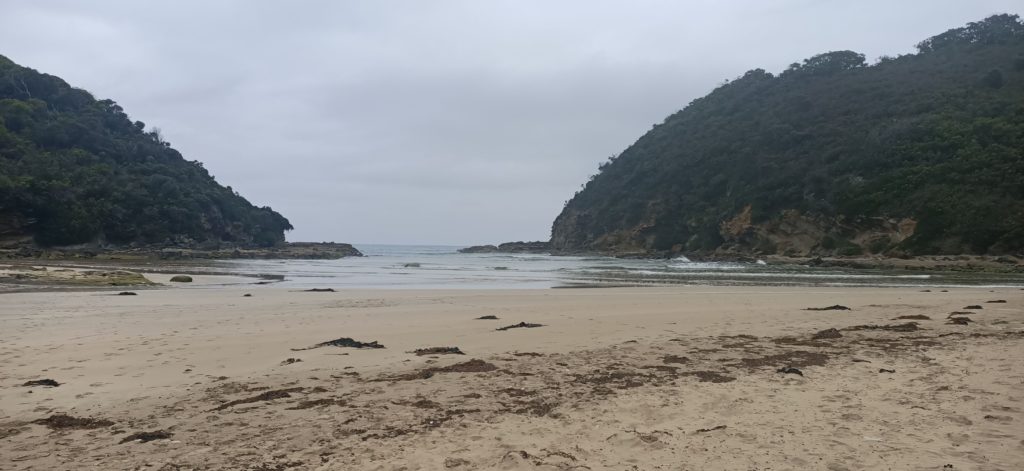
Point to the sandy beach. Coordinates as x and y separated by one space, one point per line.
678 377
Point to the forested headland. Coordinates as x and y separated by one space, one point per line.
77 170
911 155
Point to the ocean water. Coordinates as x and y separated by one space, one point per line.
434 267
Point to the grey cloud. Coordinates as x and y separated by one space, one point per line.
431 122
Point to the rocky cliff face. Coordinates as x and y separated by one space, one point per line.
793 233
790 233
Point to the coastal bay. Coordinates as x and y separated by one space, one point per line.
817 265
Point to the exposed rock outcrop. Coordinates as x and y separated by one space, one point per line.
290 250
511 247
479 249
794 233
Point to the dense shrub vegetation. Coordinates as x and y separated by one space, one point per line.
937 136
74 169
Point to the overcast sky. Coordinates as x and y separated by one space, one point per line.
432 122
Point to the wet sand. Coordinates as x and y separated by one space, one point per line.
619 378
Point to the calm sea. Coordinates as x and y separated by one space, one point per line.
416 267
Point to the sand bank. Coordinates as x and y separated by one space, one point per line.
622 378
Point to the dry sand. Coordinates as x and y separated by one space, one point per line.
618 379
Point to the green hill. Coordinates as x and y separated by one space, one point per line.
74 169
917 154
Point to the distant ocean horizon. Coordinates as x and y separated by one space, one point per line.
390 266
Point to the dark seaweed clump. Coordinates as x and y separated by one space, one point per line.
521 325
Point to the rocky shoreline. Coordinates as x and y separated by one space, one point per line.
954 263
19 277
948 263
290 250
535 247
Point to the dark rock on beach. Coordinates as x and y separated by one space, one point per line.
181 279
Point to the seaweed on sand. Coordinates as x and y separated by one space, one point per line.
521 325
342 342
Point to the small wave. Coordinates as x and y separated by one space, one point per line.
441 267
720 274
